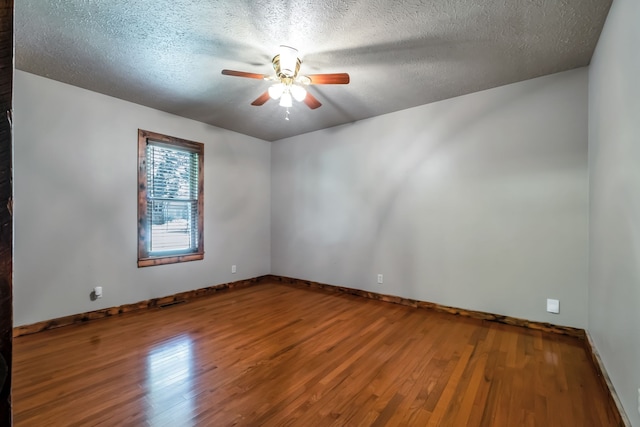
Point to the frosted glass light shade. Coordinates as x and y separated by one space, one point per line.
285 100
275 91
298 92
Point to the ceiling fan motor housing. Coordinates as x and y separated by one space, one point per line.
286 71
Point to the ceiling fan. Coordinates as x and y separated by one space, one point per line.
287 83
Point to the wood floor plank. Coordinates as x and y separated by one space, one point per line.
279 355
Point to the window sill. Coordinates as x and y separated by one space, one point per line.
148 262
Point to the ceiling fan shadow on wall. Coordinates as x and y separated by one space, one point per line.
287 83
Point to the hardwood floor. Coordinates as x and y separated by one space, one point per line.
278 355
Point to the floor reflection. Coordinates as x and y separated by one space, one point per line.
170 380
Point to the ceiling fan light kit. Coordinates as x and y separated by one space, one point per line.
276 90
298 92
288 85
285 100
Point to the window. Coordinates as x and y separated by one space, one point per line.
170 202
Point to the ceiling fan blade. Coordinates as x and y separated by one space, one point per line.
311 101
243 74
261 99
329 79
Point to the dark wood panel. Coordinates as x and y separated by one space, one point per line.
6 223
277 355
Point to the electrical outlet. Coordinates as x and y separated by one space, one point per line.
233 269
553 306
380 279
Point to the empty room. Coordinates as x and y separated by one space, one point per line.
333 213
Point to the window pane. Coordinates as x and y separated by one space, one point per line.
171 173
173 225
171 197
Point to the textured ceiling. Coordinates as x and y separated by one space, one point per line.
168 54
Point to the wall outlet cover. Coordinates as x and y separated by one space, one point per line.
553 306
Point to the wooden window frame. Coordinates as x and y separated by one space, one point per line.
144 258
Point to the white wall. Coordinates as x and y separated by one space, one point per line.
478 202
614 167
76 202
